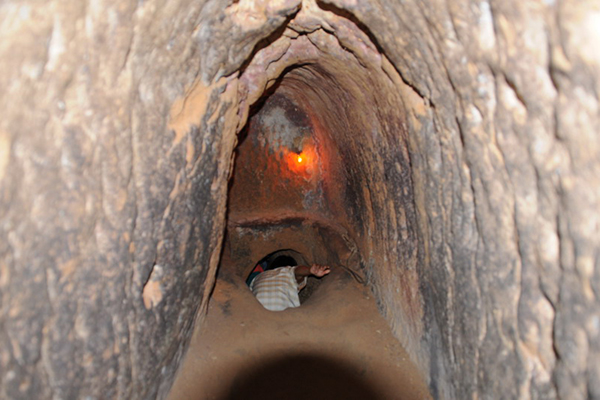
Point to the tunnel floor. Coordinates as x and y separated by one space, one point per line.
336 345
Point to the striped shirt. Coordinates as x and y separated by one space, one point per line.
277 289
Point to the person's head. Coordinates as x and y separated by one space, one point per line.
282 261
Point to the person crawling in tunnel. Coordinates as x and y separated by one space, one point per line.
277 288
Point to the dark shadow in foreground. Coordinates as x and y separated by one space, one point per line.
304 377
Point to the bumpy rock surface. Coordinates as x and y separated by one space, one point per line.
458 151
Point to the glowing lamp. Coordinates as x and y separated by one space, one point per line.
301 163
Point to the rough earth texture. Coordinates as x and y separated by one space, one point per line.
335 346
458 155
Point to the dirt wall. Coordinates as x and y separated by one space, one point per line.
466 132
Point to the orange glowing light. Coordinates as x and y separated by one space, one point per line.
302 163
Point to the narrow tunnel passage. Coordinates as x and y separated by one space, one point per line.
403 184
306 177
442 155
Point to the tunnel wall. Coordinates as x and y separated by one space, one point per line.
111 220
505 165
368 191
119 121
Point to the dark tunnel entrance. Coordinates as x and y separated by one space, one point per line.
279 258
282 258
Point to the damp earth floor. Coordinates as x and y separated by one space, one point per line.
335 346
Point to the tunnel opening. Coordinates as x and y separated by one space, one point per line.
323 146
309 100
279 258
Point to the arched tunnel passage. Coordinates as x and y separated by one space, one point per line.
457 162
306 171
351 143
409 177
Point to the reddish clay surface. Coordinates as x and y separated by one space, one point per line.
335 346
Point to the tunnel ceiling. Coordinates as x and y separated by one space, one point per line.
455 149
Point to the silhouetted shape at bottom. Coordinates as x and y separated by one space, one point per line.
304 377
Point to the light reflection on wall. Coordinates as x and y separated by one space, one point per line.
303 163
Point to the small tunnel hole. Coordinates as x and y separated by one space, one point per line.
277 259
283 258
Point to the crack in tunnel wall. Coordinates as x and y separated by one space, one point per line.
116 143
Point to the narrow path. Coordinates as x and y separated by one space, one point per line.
335 346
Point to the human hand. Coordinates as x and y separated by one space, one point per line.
319 270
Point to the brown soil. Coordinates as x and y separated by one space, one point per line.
335 346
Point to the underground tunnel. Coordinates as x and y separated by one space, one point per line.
442 157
